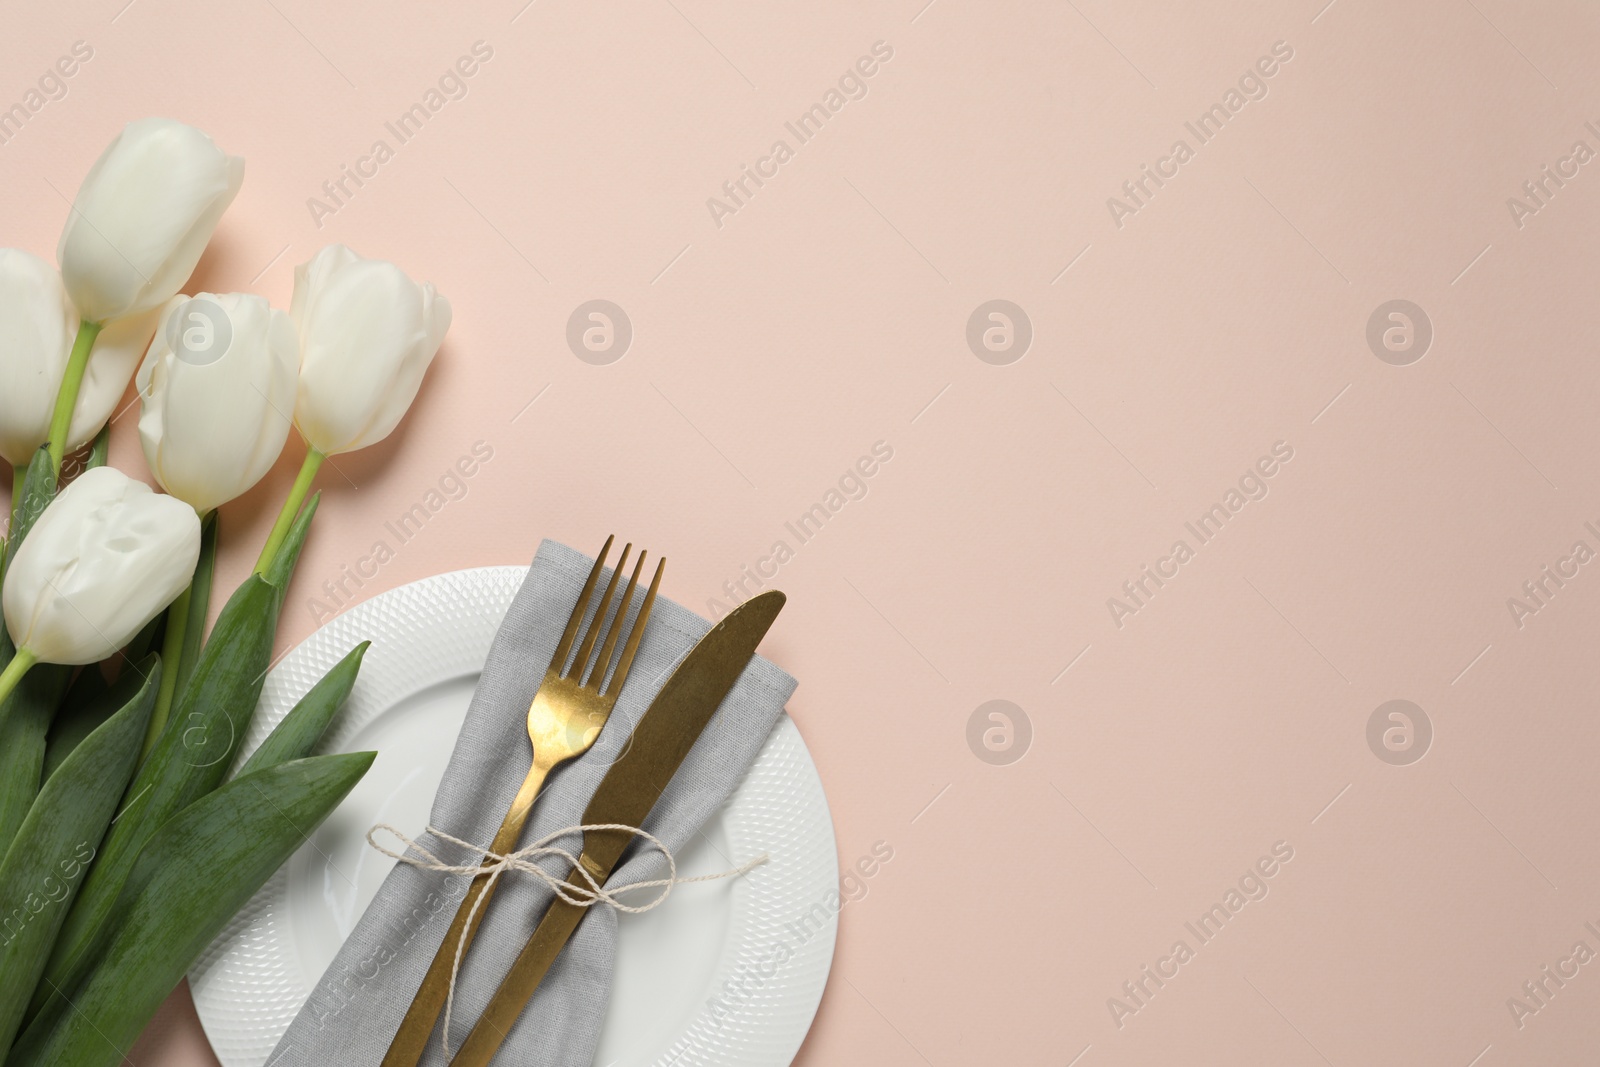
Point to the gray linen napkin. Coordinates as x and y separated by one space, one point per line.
355 1009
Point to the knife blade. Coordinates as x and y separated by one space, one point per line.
665 734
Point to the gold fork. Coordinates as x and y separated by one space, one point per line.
567 714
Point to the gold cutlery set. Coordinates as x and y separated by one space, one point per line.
568 712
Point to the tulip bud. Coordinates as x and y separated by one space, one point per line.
37 322
104 558
36 326
218 391
367 335
143 216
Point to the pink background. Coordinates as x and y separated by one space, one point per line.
1169 353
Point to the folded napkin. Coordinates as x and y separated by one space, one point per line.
355 1009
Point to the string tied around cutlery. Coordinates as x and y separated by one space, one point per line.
526 860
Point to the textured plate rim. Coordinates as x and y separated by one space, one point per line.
254 955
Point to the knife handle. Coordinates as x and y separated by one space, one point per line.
411 1040
516 989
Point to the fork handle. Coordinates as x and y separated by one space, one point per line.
412 1038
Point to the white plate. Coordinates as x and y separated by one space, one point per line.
725 973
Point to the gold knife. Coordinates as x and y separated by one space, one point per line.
628 792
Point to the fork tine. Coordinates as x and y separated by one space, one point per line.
602 662
559 660
597 623
635 634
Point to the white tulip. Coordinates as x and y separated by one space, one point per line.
367 336
37 323
103 559
143 216
218 393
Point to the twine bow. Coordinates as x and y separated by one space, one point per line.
526 860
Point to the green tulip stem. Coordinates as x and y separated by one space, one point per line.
171 653
67 397
291 508
14 671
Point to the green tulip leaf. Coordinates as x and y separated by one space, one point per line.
89 702
24 725
199 602
55 844
100 451
196 873
301 729
281 570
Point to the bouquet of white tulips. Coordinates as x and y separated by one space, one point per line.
125 846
